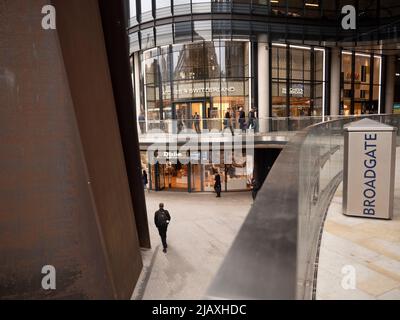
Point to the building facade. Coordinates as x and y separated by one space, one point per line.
281 58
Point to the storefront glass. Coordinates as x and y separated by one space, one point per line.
198 176
360 83
204 77
302 70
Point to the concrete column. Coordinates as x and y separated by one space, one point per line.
335 82
263 82
390 84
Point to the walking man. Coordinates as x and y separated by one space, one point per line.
228 120
145 179
242 119
252 119
162 220
196 119
217 185
142 123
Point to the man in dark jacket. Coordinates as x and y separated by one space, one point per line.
242 119
217 185
162 220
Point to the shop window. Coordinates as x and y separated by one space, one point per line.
302 85
361 82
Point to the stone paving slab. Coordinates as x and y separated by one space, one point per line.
371 247
202 230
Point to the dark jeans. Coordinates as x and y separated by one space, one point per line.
218 191
163 235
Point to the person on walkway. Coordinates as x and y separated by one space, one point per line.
217 185
162 219
255 187
196 120
142 123
252 119
145 179
242 120
228 120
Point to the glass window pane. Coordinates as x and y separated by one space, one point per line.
346 67
201 6
181 7
362 69
183 31
202 30
147 37
377 70
134 42
146 10
319 65
132 13
164 35
163 8
145 5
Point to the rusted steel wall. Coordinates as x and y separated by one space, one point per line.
64 195
117 45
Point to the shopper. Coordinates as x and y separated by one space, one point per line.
196 120
252 119
217 185
228 121
242 120
254 188
162 219
145 179
142 123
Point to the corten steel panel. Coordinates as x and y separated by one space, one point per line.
47 213
82 43
113 19
58 131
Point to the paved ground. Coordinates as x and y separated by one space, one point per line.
371 247
201 231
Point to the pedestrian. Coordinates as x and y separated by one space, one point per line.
142 123
145 179
162 219
196 120
254 188
252 119
217 185
242 119
228 120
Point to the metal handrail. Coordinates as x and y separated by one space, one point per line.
275 254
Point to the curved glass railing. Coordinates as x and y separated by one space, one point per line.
275 254
205 125
283 126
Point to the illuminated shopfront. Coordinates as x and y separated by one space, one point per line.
197 175
206 78
361 83
302 70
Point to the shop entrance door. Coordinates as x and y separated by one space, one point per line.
185 112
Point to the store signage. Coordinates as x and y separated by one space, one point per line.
172 155
201 90
296 90
369 170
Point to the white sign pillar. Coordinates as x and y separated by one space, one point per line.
369 167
